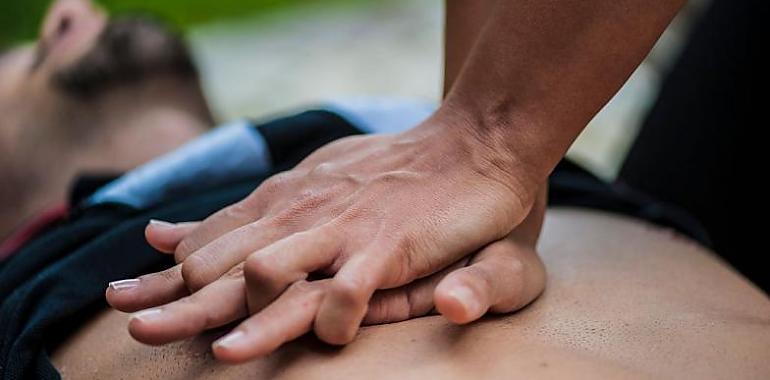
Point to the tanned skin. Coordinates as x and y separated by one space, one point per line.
379 212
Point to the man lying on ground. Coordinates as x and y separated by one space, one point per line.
622 298
99 97
93 97
625 300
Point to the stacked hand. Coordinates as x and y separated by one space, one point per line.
366 230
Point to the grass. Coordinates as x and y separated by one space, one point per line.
20 19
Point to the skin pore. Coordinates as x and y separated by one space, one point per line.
51 130
395 209
511 274
624 299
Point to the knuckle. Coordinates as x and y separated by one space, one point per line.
201 316
186 247
253 199
251 236
516 267
477 279
323 169
506 256
239 211
241 238
350 289
521 277
247 209
327 236
195 272
257 267
274 184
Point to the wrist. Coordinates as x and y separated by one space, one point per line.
526 128
465 142
503 136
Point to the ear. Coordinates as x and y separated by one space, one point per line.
66 15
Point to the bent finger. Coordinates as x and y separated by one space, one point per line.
215 259
288 318
503 277
165 236
347 299
271 270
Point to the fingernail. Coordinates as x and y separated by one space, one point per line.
467 298
161 224
147 315
230 340
124 284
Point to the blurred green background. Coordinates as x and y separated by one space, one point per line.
20 19
264 57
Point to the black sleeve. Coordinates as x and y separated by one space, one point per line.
291 139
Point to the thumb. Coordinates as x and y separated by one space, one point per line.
165 236
503 277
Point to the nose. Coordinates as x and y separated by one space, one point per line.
66 18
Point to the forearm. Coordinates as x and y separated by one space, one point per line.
541 70
463 22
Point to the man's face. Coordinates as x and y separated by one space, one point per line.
80 56
69 31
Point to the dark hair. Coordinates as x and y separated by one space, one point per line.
129 50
